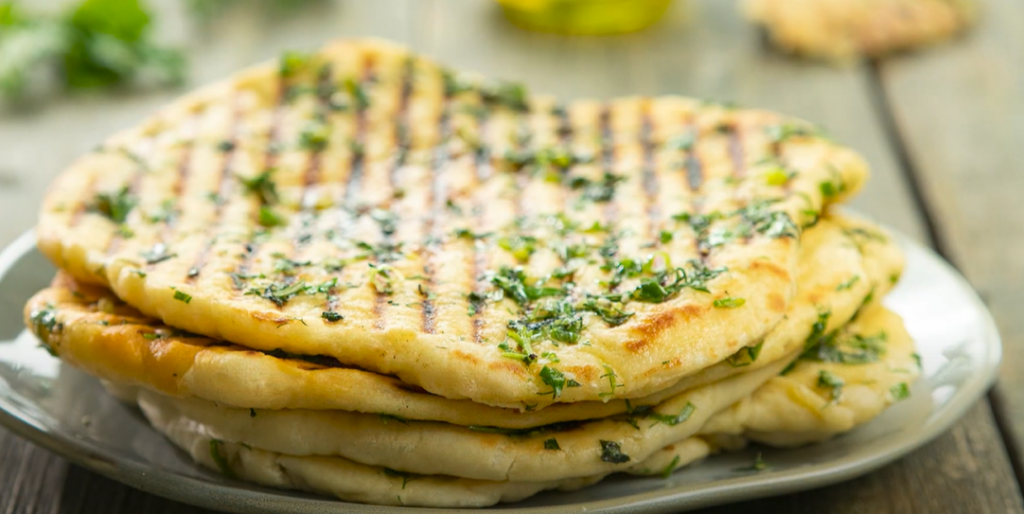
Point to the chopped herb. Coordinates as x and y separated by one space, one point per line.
355 90
381 278
507 94
729 303
406 477
292 63
611 451
315 136
611 312
331 316
521 247
287 266
758 465
125 232
900 391
551 444
391 417
279 293
778 176
745 356
556 380
612 381
667 472
602 190
44 321
268 218
226 145
219 459
848 284
784 131
182 297
115 205
671 420
917 359
252 412
262 186
828 380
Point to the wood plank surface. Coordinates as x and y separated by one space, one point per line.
960 112
701 49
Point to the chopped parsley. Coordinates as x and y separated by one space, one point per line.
757 466
331 316
671 420
900 391
279 293
268 218
667 472
219 459
556 380
551 444
291 63
406 477
182 297
114 205
729 303
745 356
315 136
611 451
848 284
827 379
262 186
602 190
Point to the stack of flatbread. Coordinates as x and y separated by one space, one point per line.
358 273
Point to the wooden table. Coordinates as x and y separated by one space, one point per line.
943 130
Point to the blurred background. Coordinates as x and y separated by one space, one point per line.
942 128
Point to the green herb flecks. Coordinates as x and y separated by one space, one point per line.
673 420
667 472
745 356
900 391
279 293
613 381
406 477
262 186
217 454
757 466
729 303
382 278
556 380
114 205
181 296
292 62
611 451
315 135
849 283
828 380
551 444
786 131
602 190
511 95
331 316
358 94
267 218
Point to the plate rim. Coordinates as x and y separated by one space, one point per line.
257 499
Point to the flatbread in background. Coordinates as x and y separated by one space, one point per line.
843 260
845 29
364 204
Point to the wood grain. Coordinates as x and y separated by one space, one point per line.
960 113
701 49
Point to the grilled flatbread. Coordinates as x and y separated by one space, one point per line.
842 261
842 381
429 448
768 407
367 205
844 29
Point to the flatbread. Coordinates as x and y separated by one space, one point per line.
429 448
364 204
728 430
844 29
845 382
108 339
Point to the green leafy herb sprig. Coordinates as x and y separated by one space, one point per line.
95 44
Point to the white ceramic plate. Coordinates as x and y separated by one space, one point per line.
69 413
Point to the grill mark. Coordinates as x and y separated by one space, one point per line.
133 189
650 175
223 188
607 166
694 168
436 206
271 154
484 170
